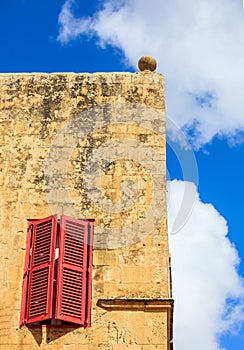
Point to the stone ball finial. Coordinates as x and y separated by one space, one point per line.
147 63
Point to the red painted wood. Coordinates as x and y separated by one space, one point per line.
74 278
71 301
40 258
25 276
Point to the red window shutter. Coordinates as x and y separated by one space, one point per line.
72 287
41 269
25 277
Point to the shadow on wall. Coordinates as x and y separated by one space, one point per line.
47 334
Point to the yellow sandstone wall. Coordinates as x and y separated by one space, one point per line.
89 146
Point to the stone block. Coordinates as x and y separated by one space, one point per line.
137 274
104 257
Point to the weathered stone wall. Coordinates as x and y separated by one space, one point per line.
91 146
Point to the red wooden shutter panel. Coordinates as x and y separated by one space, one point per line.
25 277
41 270
71 302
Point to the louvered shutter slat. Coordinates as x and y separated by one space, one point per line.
41 270
72 271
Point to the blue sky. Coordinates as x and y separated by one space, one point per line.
199 47
29 31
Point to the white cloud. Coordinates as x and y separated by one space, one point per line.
199 46
204 274
71 26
